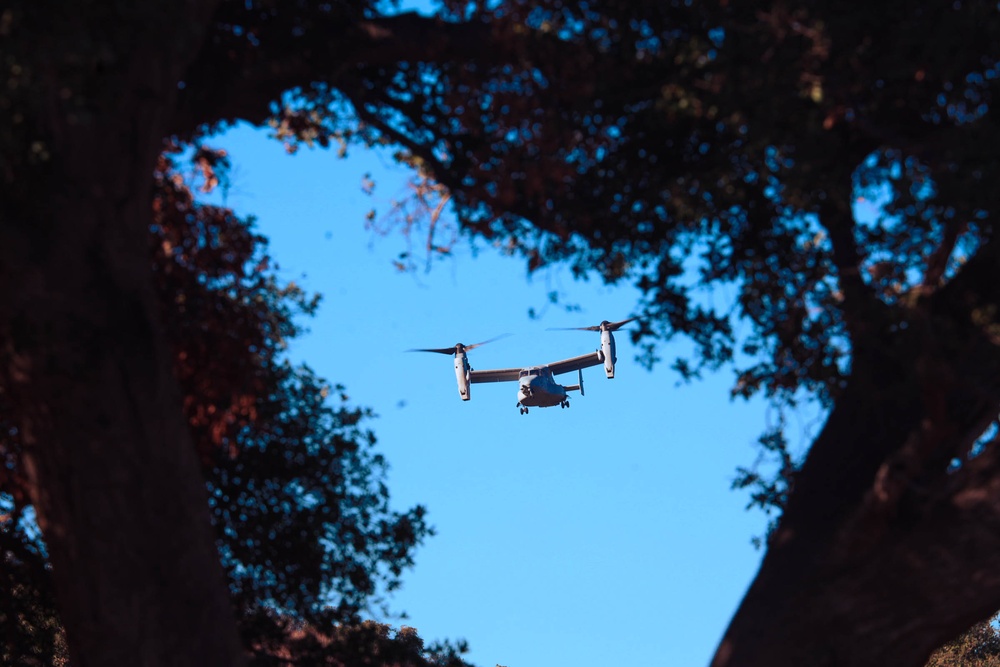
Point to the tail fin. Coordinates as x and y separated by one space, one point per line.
577 387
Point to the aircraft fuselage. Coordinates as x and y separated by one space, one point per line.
537 388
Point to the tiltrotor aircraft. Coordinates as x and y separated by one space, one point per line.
536 384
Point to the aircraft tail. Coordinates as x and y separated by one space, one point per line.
577 387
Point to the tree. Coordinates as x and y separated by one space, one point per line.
678 145
297 496
106 458
683 146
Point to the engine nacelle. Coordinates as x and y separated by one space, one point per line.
462 370
608 352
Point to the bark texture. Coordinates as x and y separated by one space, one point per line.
890 544
111 468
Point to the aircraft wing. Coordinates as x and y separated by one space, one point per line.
576 363
497 375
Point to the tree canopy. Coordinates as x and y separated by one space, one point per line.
833 166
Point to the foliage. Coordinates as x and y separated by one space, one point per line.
296 490
365 643
977 647
646 143
803 191
30 632
769 492
829 173
292 481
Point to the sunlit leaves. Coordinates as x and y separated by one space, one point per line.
296 489
418 215
771 478
977 647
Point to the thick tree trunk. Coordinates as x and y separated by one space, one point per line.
890 544
870 586
115 480
111 467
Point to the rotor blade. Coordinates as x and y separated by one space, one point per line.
618 325
597 328
454 348
470 347
610 326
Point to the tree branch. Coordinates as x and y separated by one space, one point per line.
975 288
861 306
252 79
937 263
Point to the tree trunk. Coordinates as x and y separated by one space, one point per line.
111 468
114 477
872 589
890 544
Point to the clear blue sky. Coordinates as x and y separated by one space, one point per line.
602 534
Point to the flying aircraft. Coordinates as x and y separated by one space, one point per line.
536 384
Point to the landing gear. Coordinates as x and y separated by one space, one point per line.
524 411
522 408
564 404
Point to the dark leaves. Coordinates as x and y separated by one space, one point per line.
296 490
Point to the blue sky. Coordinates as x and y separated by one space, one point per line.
605 533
